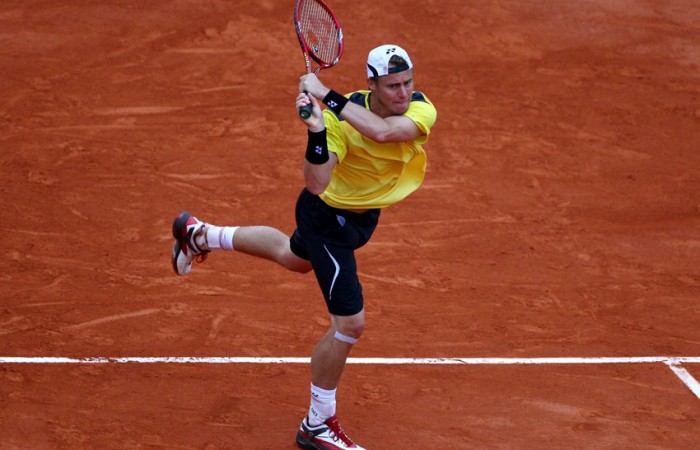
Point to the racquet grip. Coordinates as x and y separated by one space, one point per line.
305 111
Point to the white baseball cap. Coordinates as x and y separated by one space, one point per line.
378 61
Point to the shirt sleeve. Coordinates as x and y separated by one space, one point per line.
423 113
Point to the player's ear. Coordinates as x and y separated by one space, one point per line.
371 84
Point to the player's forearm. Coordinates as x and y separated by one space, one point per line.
368 123
363 120
318 176
397 128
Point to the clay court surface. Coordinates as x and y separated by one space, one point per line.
560 217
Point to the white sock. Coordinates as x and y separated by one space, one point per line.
220 238
322 405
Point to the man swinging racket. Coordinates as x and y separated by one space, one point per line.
364 153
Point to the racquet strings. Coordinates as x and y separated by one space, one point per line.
319 31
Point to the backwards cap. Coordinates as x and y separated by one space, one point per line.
378 61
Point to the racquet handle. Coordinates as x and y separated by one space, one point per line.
305 111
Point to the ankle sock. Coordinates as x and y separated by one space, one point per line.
322 405
219 238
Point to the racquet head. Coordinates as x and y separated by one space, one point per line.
319 33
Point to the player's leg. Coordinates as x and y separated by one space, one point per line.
321 429
194 240
259 240
331 352
336 272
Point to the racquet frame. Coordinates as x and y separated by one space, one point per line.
309 50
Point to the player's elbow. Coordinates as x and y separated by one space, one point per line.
316 187
316 181
318 176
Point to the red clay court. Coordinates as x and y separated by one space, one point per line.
539 291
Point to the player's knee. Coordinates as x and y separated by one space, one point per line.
351 328
293 262
343 337
299 266
356 330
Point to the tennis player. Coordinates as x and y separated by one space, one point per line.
364 153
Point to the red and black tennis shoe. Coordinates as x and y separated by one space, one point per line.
327 436
186 228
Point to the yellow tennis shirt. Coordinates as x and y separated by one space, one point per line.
370 174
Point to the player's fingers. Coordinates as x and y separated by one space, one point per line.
303 83
317 110
309 83
304 99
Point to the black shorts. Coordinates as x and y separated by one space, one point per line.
328 237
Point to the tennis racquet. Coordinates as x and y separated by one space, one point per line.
320 37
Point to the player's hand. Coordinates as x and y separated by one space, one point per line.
315 121
311 84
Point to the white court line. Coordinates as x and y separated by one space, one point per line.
686 378
670 360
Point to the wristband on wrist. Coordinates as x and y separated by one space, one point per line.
335 101
317 147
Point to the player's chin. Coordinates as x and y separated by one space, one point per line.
400 109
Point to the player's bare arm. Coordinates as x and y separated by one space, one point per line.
385 123
316 176
382 130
